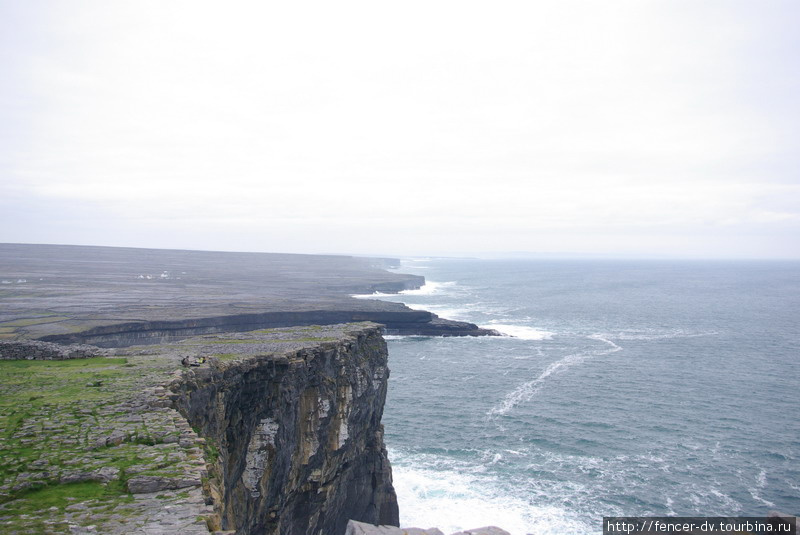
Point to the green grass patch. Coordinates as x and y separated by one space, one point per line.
232 341
306 339
34 501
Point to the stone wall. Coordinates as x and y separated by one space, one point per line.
37 350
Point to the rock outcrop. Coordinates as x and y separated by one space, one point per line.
298 435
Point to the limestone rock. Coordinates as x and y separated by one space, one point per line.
488 530
361 528
148 484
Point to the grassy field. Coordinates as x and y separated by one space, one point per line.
69 442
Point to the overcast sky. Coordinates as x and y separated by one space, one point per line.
605 127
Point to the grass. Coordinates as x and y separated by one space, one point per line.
38 391
45 382
33 508
35 500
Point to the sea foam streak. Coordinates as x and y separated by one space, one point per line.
526 391
659 335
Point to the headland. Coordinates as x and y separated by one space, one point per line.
114 297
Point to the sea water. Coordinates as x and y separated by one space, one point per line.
622 388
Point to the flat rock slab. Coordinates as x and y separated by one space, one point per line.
361 528
488 530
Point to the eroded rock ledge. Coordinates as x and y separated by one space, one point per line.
403 321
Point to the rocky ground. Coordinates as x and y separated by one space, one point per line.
62 289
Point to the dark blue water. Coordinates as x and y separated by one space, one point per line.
631 388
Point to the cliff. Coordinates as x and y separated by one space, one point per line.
275 431
298 434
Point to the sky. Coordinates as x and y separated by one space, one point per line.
618 128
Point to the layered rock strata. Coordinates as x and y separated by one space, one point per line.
404 322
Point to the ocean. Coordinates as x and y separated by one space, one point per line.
623 388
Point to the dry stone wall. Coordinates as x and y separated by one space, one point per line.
38 350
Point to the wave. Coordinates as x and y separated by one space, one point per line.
429 288
376 295
520 331
454 496
527 390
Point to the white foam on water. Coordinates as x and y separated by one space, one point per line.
761 483
430 288
459 498
376 295
443 311
520 331
527 390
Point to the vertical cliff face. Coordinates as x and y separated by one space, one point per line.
298 434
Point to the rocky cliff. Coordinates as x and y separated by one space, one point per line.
298 434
